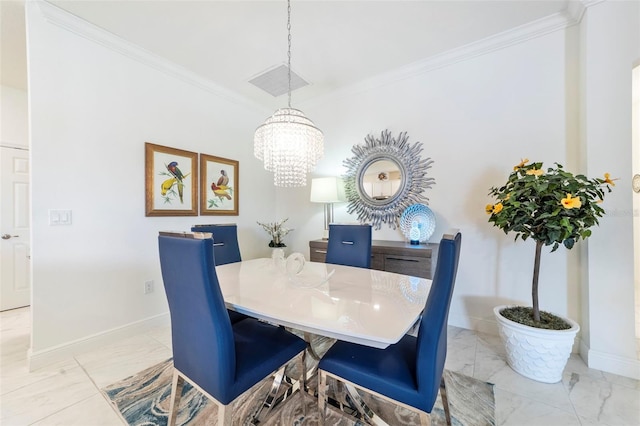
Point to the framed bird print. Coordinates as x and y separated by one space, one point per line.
171 181
219 186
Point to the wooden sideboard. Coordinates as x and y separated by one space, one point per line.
391 256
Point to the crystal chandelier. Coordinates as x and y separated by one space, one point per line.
288 143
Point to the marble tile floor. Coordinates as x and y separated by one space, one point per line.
68 392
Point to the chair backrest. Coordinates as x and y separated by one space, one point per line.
201 333
349 245
225 241
431 348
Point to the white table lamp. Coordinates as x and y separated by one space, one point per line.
327 190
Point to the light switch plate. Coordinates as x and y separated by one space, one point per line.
59 217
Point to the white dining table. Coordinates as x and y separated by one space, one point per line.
364 306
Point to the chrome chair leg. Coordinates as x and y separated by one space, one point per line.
273 398
369 415
176 393
322 397
356 402
269 400
293 385
303 381
445 401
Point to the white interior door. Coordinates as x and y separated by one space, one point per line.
15 251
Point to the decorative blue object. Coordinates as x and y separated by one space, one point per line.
417 223
414 233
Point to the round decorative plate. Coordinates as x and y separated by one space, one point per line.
418 216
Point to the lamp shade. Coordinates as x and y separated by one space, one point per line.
327 190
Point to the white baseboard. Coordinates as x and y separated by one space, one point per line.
614 364
64 351
481 325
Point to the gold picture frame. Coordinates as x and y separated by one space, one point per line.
219 186
171 180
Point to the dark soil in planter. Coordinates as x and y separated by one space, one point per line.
524 315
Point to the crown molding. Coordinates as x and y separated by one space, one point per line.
89 31
576 9
571 16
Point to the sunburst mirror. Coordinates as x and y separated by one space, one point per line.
384 177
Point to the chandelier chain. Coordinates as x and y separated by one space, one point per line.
288 143
289 50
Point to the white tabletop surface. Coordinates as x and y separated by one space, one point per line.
364 306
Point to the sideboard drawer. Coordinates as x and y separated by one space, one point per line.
318 250
408 265
391 256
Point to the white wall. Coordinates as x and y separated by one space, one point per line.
13 116
476 120
611 45
92 110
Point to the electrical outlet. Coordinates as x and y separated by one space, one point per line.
148 287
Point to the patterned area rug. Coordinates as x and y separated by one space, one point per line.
143 400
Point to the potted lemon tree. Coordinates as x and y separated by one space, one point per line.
554 208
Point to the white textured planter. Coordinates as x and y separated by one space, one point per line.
534 352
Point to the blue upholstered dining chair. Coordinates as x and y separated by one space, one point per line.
221 359
225 241
225 249
409 372
349 245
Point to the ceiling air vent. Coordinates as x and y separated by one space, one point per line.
275 81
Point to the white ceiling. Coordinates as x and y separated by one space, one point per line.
334 43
